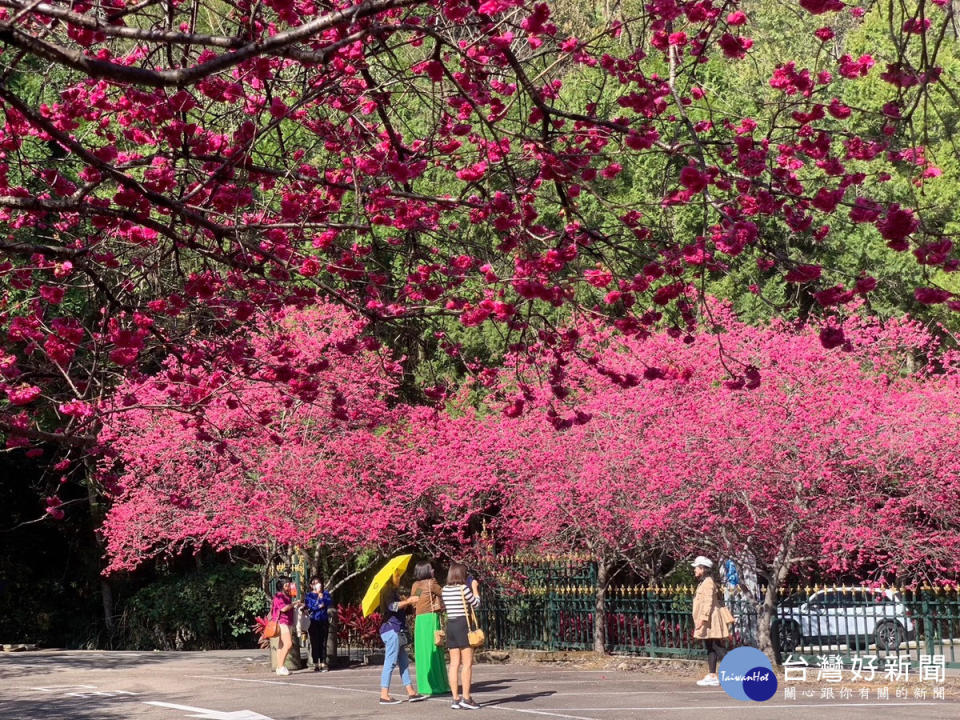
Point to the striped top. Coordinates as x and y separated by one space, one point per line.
453 596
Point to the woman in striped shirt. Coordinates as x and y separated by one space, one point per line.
456 597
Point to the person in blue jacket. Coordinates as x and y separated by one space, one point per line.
318 603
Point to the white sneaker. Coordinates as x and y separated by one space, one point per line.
708 681
282 671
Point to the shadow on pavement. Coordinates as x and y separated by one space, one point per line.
492 685
22 664
47 708
524 697
19 665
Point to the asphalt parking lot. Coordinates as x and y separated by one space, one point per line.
237 685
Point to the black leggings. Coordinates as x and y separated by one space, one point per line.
318 630
716 649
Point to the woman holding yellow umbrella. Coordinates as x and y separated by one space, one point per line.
393 631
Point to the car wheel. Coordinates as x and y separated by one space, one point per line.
890 635
786 635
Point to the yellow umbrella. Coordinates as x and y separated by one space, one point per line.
371 599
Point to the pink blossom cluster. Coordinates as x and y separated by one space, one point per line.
174 188
843 460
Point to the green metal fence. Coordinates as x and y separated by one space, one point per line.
555 611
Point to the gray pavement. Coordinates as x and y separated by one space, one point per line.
237 685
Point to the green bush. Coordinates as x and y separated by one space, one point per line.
206 609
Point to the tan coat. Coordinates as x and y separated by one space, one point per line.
428 592
706 608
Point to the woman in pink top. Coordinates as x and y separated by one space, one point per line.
283 610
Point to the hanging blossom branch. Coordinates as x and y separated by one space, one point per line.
167 180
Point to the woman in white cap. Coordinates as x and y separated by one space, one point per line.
708 621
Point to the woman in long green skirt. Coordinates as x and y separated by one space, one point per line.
429 658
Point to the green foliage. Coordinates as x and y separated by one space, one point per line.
208 608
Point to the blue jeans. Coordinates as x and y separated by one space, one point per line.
396 656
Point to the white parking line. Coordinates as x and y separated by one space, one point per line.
479 689
567 712
624 692
480 681
538 712
478 685
282 682
737 706
208 714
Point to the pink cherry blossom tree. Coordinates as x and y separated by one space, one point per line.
836 461
183 178
283 452
841 463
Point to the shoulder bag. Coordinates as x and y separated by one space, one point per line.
476 637
439 635
272 628
303 620
725 615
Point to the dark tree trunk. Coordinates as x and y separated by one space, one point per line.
600 607
97 513
776 576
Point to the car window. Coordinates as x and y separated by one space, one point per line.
826 600
854 599
793 600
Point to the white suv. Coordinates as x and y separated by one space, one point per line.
854 616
